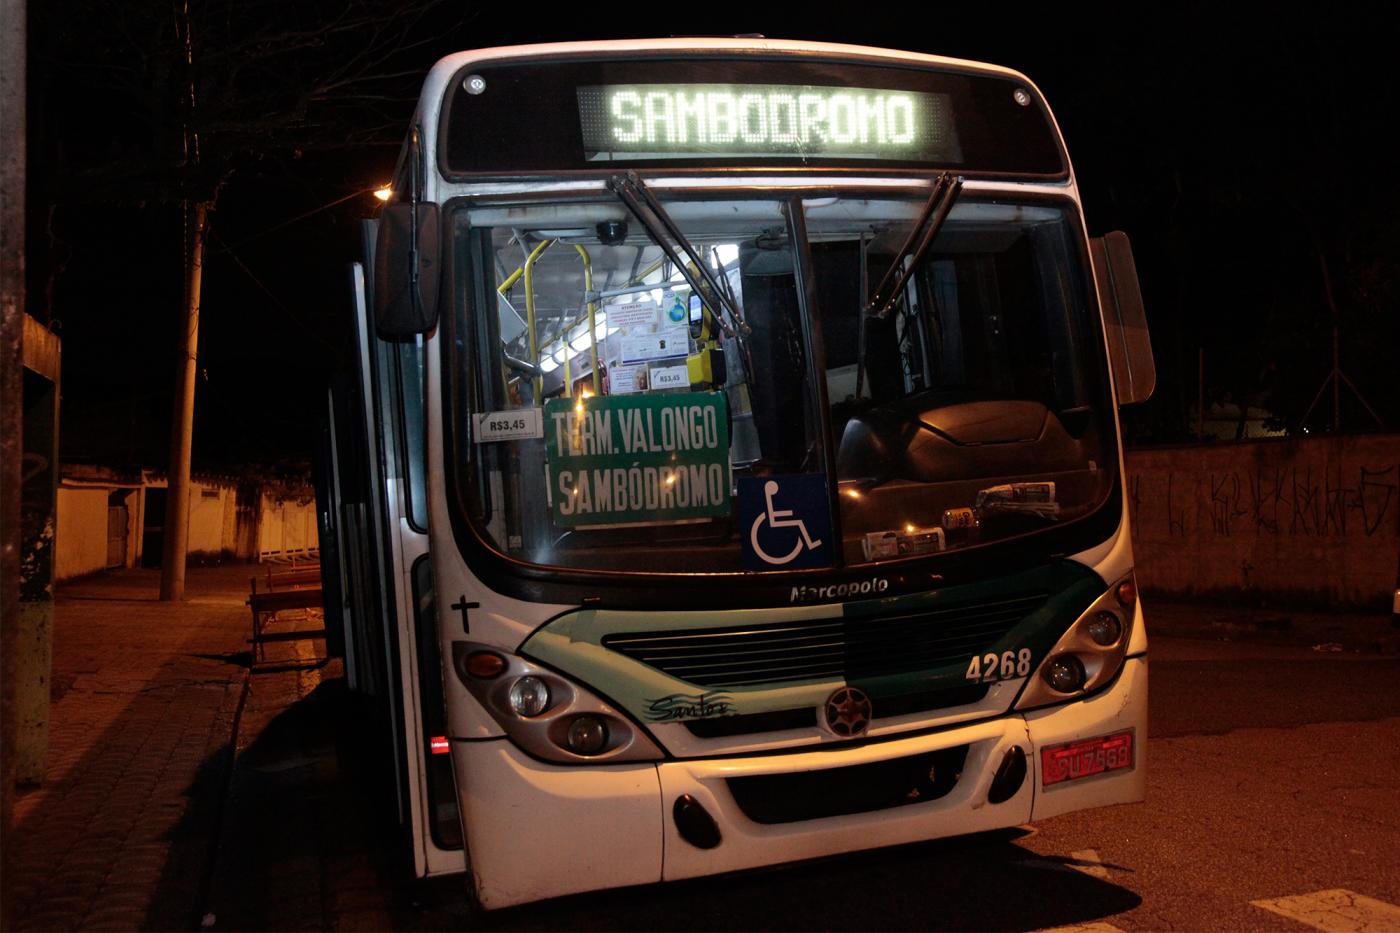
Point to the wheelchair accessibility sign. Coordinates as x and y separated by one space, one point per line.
785 521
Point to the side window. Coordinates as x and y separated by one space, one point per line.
409 374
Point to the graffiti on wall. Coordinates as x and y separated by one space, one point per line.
1270 500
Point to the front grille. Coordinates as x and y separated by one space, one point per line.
827 649
806 716
812 795
719 727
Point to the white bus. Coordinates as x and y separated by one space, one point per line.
733 474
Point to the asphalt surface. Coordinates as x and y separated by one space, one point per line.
190 788
1274 772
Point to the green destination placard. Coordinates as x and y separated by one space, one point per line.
647 459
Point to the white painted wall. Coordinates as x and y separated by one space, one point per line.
287 527
81 543
207 518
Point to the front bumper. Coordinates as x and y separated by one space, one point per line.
537 830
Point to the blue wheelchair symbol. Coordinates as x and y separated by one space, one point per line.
786 521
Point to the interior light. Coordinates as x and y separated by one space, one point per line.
384 193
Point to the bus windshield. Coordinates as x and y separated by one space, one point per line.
614 413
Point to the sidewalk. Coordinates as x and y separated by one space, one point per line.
145 697
186 792
1337 631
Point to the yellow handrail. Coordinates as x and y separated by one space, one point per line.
592 318
529 272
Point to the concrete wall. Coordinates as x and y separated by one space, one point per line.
218 528
1310 519
80 546
287 527
208 504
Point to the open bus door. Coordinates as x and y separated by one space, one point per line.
375 482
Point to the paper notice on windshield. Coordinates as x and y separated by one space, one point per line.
516 425
641 315
672 343
670 377
627 380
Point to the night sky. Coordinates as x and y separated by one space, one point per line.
1241 149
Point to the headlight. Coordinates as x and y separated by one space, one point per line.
1063 672
587 735
528 696
546 714
1089 654
1104 628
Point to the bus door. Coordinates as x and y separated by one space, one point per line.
392 623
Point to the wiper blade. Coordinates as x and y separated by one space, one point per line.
634 193
945 191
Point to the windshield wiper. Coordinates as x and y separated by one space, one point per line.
940 202
633 192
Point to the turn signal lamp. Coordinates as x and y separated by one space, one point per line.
1127 591
485 664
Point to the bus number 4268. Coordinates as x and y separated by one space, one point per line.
992 666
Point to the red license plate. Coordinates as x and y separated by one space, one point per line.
1086 759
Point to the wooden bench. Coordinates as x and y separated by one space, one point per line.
306 575
270 601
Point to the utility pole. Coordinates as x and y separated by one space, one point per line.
177 498
196 219
13 66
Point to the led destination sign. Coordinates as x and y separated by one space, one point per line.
627 121
702 110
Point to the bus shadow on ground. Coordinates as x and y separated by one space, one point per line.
308 842
982 882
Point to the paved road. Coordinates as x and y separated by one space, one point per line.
181 786
1274 774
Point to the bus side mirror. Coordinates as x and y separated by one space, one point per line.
1124 319
406 271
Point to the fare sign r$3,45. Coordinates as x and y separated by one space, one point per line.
652 459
